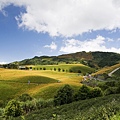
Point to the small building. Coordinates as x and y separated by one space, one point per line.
22 68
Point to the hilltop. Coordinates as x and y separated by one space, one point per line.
91 59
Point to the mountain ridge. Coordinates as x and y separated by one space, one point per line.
92 59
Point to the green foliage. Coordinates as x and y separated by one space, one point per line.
116 117
54 69
101 108
86 92
36 104
29 106
25 97
13 108
110 90
64 95
1 111
106 58
44 68
83 93
59 69
96 92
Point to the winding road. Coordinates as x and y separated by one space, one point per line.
110 74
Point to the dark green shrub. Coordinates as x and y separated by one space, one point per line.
54 69
83 93
110 83
110 90
86 92
44 68
25 97
70 70
13 108
96 92
1 111
103 86
29 106
64 95
59 69
40 68
40 103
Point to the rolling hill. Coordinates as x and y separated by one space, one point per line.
92 59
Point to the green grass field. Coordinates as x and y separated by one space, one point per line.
43 83
65 68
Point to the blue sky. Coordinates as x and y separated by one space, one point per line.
43 27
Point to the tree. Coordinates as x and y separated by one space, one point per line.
64 95
83 93
59 69
13 108
44 68
54 69
86 92
96 92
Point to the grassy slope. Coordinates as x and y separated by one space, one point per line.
43 83
66 67
107 69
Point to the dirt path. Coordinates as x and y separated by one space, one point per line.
110 74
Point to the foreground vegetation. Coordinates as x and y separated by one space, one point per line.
92 109
100 108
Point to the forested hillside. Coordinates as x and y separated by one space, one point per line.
92 59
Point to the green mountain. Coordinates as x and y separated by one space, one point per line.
92 59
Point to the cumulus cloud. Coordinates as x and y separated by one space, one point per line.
97 44
67 17
52 46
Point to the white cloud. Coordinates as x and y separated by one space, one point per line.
52 46
97 44
3 63
67 17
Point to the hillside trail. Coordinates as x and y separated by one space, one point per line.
110 74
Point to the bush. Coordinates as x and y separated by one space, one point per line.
110 90
64 96
59 69
86 92
1 111
83 93
54 69
40 103
96 92
29 106
44 68
13 108
25 97
110 83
